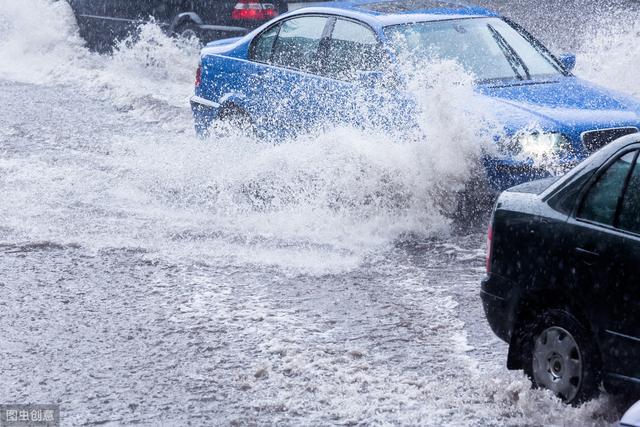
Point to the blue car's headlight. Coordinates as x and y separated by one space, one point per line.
536 145
542 145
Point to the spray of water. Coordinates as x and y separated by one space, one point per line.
148 71
39 43
344 190
610 55
324 201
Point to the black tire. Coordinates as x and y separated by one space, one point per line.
234 121
187 30
473 205
559 354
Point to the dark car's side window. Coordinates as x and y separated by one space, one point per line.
297 43
601 201
629 218
352 47
263 45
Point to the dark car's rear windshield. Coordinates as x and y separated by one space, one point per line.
534 187
488 48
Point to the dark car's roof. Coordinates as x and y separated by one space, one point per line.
391 12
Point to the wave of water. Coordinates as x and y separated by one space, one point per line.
610 55
324 202
42 45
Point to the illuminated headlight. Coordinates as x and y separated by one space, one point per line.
539 145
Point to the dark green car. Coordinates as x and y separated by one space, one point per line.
101 22
563 275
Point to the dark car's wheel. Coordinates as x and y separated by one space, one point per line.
560 355
188 30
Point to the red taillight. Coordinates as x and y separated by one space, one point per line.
253 10
489 246
199 75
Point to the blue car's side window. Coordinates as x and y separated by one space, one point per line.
601 201
262 47
351 48
297 43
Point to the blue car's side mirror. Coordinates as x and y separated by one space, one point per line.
568 61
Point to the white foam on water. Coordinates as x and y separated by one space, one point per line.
320 204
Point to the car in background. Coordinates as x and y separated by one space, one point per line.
102 22
341 63
562 284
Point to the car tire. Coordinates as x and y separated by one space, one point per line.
188 30
472 206
233 121
559 354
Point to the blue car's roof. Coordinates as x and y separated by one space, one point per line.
391 12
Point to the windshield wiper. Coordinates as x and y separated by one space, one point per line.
514 59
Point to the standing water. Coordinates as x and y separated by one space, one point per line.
151 277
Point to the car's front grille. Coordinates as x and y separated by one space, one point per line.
596 139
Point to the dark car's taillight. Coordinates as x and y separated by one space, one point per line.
489 247
253 10
199 75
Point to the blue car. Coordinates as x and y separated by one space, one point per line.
303 69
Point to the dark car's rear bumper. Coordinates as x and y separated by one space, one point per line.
498 307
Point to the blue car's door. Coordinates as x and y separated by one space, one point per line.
315 71
282 89
359 78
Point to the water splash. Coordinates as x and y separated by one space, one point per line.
345 192
148 70
39 43
320 202
610 55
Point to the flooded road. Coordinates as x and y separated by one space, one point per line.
148 277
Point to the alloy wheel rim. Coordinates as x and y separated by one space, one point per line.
188 34
557 362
